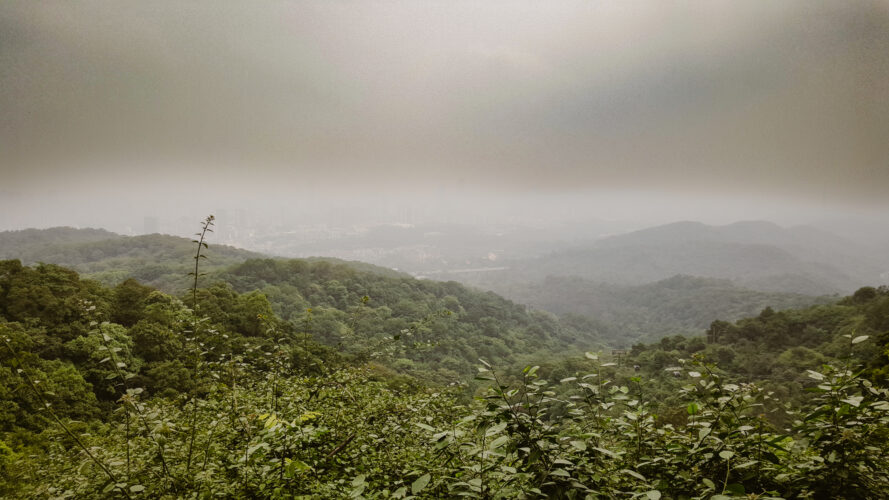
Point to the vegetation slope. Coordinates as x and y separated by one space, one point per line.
227 391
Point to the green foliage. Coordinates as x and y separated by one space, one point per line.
361 391
129 302
158 260
343 435
406 323
625 314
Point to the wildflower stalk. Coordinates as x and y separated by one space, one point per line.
201 244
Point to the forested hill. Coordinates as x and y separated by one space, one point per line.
431 330
157 260
616 315
127 392
775 348
441 328
643 313
755 255
29 241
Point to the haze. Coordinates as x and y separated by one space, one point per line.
148 115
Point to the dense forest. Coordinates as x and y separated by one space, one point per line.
615 314
317 379
681 304
160 261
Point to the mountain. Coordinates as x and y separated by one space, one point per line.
161 261
757 255
638 286
806 243
444 327
28 241
677 305
431 330
233 401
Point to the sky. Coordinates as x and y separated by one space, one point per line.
657 109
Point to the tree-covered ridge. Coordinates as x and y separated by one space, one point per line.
643 313
755 255
269 417
618 315
775 348
157 260
432 330
27 241
130 392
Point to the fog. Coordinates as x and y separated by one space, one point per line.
582 118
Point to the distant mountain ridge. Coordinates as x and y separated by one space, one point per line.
159 260
805 242
636 286
680 304
753 254
162 261
27 241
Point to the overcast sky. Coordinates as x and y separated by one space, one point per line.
761 100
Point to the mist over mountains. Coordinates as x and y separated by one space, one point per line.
757 255
644 284
575 249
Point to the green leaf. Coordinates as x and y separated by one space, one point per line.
736 489
860 338
136 488
420 483
854 400
726 454
495 429
299 465
704 432
560 473
653 495
497 443
579 445
634 474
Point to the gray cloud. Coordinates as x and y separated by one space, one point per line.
783 98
